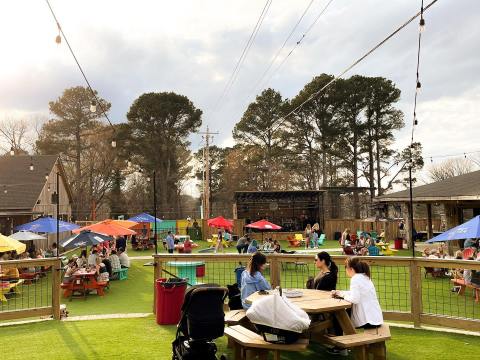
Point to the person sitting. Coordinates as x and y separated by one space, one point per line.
69 271
82 260
242 244
10 272
253 247
327 277
345 238
124 259
470 243
276 247
266 245
252 279
101 270
54 249
187 246
115 262
366 311
92 259
108 265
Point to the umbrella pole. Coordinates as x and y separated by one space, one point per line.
58 215
155 212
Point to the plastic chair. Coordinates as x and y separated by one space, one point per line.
468 253
373 251
359 233
321 239
373 235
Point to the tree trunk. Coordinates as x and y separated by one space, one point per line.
379 170
78 174
324 166
356 201
371 170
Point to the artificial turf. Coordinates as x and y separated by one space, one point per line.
144 339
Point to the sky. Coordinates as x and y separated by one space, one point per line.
191 47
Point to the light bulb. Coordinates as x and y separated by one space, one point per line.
419 86
31 167
48 188
12 151
58 39
5 190
415 122
148 179
46 176
422 25
114 143
129 163
93 106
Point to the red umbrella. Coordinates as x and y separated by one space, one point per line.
263 225
220 222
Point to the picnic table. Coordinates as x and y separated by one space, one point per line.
315 302
83 282
6 287
187 269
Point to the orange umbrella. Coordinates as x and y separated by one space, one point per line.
125 223
107 227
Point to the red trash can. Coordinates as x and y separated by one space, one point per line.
200 271
398 243
169 301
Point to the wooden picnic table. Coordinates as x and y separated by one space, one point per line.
12 286
84 281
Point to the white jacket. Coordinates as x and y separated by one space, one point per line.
365 308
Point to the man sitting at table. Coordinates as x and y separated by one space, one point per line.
124 260
115 261
92 258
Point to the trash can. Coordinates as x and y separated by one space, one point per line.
169 300
200 270
398 243
238 274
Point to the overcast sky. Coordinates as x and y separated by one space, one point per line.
190 47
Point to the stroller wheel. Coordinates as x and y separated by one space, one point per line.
223 357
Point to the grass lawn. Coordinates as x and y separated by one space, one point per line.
143 339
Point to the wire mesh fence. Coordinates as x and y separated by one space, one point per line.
26 287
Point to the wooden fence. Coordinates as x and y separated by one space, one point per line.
32 296
405 290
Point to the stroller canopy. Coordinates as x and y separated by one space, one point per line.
278 312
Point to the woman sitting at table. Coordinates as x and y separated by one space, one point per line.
326 279
102 271
187 246
366 311
82 261
252 279
70 269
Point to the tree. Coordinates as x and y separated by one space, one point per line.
74 132
14 133
450 168
258 129
159 126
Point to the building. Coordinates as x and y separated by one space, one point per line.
456 200
27 190
293 210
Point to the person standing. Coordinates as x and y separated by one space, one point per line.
242 244
121 243
170 242
219 240
308 233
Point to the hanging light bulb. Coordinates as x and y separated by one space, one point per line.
114 143
129 163
12 151
415 122
46 176
58 39
5 189
148 178
431 160
422 24
31 167
48 188
419 86
93 106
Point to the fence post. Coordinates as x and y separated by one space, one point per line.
56 276
157 274
274 271
416 292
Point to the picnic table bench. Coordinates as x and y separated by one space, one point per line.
83 282
245 340
463 286
11 287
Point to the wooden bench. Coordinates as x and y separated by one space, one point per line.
235 317
84 287
463 286
371 341
245 341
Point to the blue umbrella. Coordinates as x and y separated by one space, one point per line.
145 218
468 230
46 225
85 238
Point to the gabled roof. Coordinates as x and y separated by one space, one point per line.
23 185
462 187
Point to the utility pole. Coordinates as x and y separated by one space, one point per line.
207 136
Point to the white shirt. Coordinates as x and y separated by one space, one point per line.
124 260
362 295
92 259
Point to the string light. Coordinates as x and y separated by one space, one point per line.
46 176
419 86
93 106
5 189
58 39
31 167
114 143
12 151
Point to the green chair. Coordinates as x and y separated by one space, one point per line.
373 235
122 274
321 239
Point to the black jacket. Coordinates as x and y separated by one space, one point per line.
327 282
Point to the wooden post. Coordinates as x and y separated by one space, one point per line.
274 271
429 221
415 292
56 277
157 274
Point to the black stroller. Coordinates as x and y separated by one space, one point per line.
202 321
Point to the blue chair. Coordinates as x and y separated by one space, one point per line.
373 251
321 239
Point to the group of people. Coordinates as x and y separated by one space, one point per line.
312 234
352 245
247 245
365 312
105 261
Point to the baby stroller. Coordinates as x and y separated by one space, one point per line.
202 321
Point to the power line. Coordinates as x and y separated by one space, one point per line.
283 45
355 63
297 44
244 54
97 102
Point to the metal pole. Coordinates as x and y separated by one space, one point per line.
57 199
155 211
410 205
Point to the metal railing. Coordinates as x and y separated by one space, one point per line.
35 293
405 287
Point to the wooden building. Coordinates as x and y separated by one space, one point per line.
456 199
27 188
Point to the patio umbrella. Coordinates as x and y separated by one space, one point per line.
468 230
144 218
9 244
264 225
107 227
220 222
85 238
47 225
125 223
24 235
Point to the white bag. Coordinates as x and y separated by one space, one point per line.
278 312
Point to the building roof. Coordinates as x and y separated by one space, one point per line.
275 194
23 185
463 187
